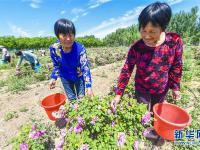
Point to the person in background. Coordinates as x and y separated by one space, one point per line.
6 58
42 52
28 56
70 62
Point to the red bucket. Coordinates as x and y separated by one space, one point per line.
168 118
52 103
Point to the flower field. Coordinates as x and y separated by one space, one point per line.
90 123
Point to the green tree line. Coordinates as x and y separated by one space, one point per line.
12 42
187 24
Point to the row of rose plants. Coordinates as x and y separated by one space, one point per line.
91 124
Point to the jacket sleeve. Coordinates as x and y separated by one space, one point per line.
126 72
85 68
175 72
56 66
19 61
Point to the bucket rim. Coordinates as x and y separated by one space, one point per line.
49 107
171 123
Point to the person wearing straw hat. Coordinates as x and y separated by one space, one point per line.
70 62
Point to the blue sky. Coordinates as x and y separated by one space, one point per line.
29 18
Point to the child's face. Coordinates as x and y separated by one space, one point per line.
66 40
150 34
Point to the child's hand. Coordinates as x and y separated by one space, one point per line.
89 92
176 95
52 84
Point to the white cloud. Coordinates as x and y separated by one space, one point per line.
85 13
75 18
33 3
97 3
172 2
110 25
62 12
77 11
94 6
18 31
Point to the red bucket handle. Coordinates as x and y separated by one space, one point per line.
190 120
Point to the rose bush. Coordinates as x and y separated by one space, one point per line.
90 124
94 124
31 137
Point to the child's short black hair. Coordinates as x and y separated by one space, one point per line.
64 26
159 14
18 53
